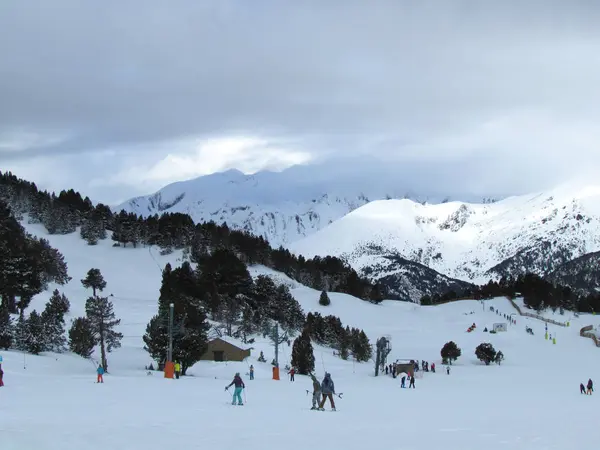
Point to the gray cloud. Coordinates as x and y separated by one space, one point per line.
462 85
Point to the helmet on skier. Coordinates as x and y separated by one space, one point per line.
237 374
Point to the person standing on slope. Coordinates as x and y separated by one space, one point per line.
403 381
448 370
328 390
1 376
292 372
590 387
412 382
433 367
316 391
177 370
239 386
100 372
251 372
582 388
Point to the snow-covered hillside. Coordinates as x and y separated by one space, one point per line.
280 206
51 401
473 242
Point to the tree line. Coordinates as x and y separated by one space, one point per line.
219 295
63 213
537 292
45 332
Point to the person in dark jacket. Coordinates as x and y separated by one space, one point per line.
328 390
590 387
582 388
412 382
1 376
403 381
239 386
316 398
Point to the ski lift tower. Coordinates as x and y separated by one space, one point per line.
384 347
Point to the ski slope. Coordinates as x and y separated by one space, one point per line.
530 402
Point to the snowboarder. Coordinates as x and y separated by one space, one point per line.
177 370
328 391
412 382
448 370
251 372
239 386
403 381
316 391
291 373
582 388
590 387
100 372
433 367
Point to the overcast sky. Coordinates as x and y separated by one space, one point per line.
118 98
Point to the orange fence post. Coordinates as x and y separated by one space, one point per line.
169 369
275 373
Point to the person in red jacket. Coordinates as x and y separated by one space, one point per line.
1 376
292 372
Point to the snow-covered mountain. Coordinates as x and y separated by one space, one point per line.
282 206
472 242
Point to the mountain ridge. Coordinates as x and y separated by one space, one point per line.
471 242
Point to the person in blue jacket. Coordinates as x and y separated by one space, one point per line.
100 372
239 386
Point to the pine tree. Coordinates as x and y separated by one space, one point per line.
21 332
303 358
7 328
485 352
94 280
34 339
99 311
450 352
190 335
324 299
54 322
81 337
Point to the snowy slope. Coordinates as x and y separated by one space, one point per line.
280 206
51 401
473 242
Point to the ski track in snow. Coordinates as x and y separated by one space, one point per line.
530 402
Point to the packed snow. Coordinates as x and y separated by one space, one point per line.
461 240
531 401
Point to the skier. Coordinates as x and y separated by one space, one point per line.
316 391
448 370
328 390
403 381
239 386
100 372
387 371
433 367
1 376
251 372
412 382
590 387
291 373
582 388
177 370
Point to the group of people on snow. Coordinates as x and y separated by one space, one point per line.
590 387
322 391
